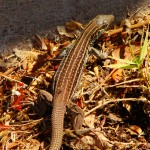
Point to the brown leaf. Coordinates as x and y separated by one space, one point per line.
89 121
41 42
73 25
62 31
117 76
135 130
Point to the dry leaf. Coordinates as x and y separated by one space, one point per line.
62 31
102 142
127 105
3 133
114 117
135 130
30 55
84 142
41 42
73 25
117 76
89 121
96 71
146 108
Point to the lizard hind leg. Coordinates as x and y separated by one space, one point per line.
77 116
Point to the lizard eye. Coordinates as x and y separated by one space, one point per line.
105 22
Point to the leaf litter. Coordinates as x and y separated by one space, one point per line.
114 91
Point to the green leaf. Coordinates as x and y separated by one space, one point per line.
136 63
122 66
143 51
123 60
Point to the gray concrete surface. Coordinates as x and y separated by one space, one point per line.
21 19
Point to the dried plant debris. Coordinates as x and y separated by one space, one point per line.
114 91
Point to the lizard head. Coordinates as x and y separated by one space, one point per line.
104 20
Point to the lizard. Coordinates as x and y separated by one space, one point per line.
69 73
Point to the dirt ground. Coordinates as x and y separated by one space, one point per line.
20 20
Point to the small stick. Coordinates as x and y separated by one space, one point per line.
138 25
105 102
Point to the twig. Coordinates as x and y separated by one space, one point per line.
105 102
138 25
12 79
100 85
30 122
125 82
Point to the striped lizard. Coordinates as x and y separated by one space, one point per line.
68 76
69 73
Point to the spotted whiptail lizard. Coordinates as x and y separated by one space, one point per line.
68 76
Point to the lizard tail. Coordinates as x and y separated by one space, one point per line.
57 128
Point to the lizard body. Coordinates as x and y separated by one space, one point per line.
68 76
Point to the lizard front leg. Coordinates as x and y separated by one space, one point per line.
44 99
